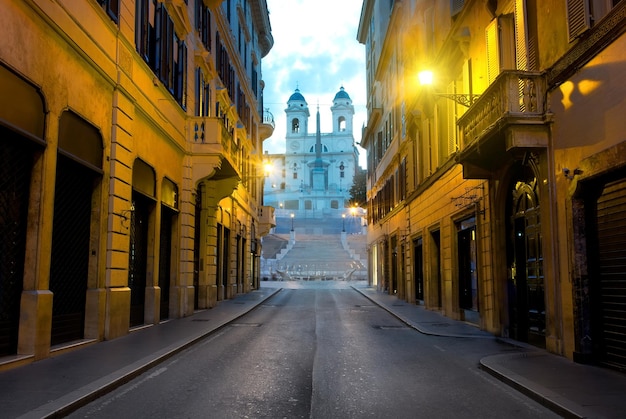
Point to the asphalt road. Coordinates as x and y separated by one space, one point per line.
320 353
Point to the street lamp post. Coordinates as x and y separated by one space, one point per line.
353 213
343 223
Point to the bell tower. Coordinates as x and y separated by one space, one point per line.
343 112
297 116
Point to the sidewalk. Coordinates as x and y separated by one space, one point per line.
569 389
54 386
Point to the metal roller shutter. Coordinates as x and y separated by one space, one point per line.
611 213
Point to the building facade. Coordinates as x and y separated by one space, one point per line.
496 166
314 176
131 140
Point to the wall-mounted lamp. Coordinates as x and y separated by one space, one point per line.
126 214
427 78
570 174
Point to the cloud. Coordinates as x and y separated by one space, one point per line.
315 49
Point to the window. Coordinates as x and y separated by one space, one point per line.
112 7
324 149
203 24
203 95
295 126
159 46
526 35
178 82
583 14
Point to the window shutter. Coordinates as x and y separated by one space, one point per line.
456 6
451 122
521 36
493 56
578 18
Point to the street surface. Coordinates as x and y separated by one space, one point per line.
320 350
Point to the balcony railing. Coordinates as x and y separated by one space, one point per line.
267 220
514 98
267 127
268 118
210 136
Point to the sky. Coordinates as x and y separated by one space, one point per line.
315 50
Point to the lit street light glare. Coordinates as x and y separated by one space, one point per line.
425 77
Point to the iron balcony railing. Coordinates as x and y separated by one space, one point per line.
514 98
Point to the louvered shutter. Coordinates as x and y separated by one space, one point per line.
493 56
451 121
578 18
611 278
521 36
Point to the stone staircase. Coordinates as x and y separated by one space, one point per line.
273 244
316 257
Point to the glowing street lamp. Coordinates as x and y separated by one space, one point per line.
292 216
426 78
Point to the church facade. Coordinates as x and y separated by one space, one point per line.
312 179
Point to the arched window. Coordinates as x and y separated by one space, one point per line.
295 125
324 149
341 123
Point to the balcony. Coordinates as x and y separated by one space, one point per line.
506 121
213 149
266 129
267 220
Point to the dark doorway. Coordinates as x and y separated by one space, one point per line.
418 270
526 285
239 262
16 155
69 267
468 276
226 260
608 275
165 260
436 264
138 257
394 264
198 260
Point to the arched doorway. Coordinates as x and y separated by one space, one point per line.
78 175
143 204
22 127
526 296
